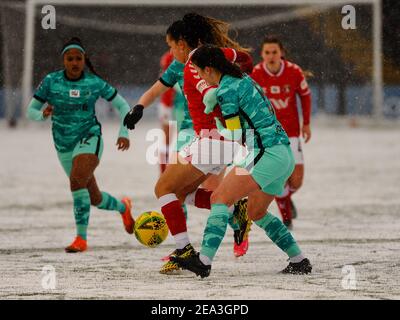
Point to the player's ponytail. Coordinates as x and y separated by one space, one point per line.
198 30
212 56
76 43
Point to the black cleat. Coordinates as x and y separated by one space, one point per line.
194 264
302 267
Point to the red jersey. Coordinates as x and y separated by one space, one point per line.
167 98
195 88
281 90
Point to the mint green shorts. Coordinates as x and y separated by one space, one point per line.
89 145
271 169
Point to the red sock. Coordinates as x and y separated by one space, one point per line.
174 216
284 207
202 198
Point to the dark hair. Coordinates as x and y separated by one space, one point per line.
274 39
77 41
196 30
212 56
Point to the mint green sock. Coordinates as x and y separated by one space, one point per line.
215 230
279 234
108 202
81 211
185 211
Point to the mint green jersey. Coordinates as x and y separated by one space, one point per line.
244 98
74 116
174 75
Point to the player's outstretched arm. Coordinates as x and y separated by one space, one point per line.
136 113
122 106
35 111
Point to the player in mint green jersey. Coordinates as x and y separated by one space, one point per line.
71 95
263 173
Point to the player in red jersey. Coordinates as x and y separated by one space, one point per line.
184 176
282 81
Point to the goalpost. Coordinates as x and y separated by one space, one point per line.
377 77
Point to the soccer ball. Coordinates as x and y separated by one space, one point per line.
151 229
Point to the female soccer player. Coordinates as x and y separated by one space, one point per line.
71 94
263 173
281 81
183 177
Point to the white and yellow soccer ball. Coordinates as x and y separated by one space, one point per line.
151 229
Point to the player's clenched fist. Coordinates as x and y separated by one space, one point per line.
133 116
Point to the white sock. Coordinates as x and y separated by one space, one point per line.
181 240
206 260
190 198
297 259
167 198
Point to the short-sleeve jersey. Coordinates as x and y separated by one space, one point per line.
174 75
244 98
74 102
195 88
281 90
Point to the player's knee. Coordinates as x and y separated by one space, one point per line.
78 182
220 197
255 213
162 188
296 183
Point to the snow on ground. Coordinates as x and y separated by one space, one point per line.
349 210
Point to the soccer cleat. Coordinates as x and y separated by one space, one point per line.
240 249
171 266
79 245
194 264
241 236
302 267
127 218
166 258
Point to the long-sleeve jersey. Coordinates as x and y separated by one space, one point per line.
195 88
281 90
73 102
243 98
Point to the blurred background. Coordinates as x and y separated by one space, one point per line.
125 43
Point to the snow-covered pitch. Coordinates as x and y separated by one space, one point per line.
348 225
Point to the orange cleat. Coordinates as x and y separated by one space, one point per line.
241 249
79 245
127 218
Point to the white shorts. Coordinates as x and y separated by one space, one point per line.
164 113
295 145
210 155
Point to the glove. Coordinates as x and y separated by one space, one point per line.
234 135
133 116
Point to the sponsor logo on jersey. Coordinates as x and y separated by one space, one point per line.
201 86
275 89
74 93
279 103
